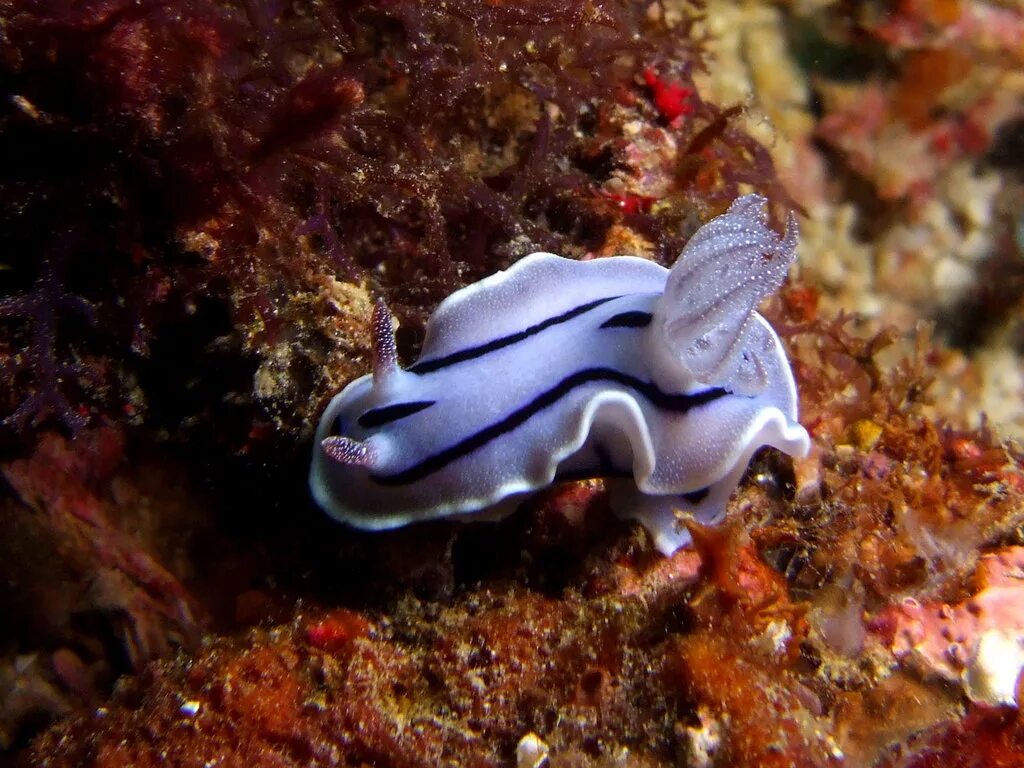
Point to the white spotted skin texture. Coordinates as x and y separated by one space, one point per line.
665 380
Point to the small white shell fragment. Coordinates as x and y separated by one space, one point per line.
772 641
190 708
702 742
991 674
531 752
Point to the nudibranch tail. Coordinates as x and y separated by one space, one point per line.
345 450
725 270
385 355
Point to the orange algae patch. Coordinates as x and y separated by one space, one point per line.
926 75
435 685
742 597
224 704
942 12
868 722
736 667
888 495
263 701
259 689
767 719
498 650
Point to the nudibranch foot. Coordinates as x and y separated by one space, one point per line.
663 516
557 368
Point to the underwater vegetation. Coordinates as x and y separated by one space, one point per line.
255 165
200 204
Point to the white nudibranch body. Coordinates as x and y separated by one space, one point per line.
665 381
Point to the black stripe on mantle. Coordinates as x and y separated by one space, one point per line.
387 414
676 403
472 353
631 319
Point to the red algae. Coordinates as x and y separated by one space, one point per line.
80 504
336 631
96 579
297 158
672 99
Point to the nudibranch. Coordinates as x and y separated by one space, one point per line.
664 381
